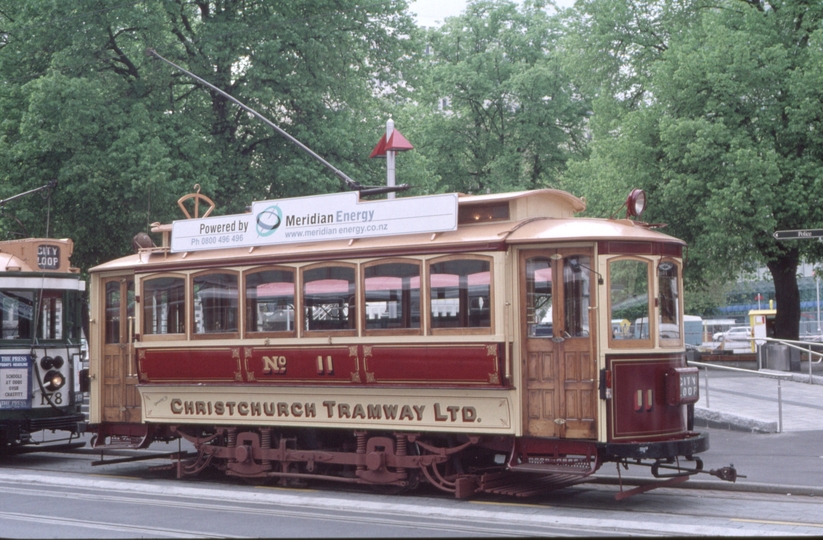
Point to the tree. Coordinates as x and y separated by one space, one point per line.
126 135
723 133
494 109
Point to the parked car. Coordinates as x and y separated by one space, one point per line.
738 333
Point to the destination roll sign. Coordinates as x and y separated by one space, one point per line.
798 234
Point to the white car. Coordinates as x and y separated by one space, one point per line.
738 333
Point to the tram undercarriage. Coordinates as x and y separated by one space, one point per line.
395 462
392 462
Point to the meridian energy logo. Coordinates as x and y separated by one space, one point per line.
269 220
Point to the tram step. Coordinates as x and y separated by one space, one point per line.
581 467
522 486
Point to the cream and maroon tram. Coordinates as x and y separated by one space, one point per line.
490 343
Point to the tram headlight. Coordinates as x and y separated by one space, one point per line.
636 202
47 362
53 381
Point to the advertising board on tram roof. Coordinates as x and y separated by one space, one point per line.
338 216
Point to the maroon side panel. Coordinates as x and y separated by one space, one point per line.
459 364
311 365
638 408
472 364
219 364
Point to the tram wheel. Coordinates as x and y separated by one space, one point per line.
256 481
393 489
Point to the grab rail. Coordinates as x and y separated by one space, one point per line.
760 373
795 345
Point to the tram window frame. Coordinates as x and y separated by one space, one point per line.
668 342
247 303
212 334
353 306
430 290
72 322
111 312
539 300
16 303
632 343
48 300
577 323
144 302
401 330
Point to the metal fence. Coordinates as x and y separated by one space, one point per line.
764 350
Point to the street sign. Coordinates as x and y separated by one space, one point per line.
798 234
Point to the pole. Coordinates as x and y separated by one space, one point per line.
817 284
390 154
706 376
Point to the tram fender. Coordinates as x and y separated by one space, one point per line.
693 444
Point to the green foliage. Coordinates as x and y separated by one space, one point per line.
494 110
715 112
127 135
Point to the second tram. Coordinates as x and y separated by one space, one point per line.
40 348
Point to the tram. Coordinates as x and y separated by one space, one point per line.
41 355
465 341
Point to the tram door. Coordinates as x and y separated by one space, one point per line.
121 401
560 388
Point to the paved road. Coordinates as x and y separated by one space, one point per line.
54 503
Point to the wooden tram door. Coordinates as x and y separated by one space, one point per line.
121 401
560 387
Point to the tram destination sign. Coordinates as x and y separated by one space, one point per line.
799 234
338 216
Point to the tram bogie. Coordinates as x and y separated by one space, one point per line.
506 346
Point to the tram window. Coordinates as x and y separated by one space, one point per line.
460 292
629 299
669 301
479 213
112 312
74 307
539 297
392 296
164 306
270 301
576 295
50 317
329 299
215 303
18 310
113 304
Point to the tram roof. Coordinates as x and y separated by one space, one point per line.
536 217
10 263
23 255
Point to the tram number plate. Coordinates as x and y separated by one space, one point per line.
682 386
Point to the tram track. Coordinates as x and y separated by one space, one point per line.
591 499
589 510
107 526
447 525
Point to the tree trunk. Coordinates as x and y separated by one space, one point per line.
786 294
